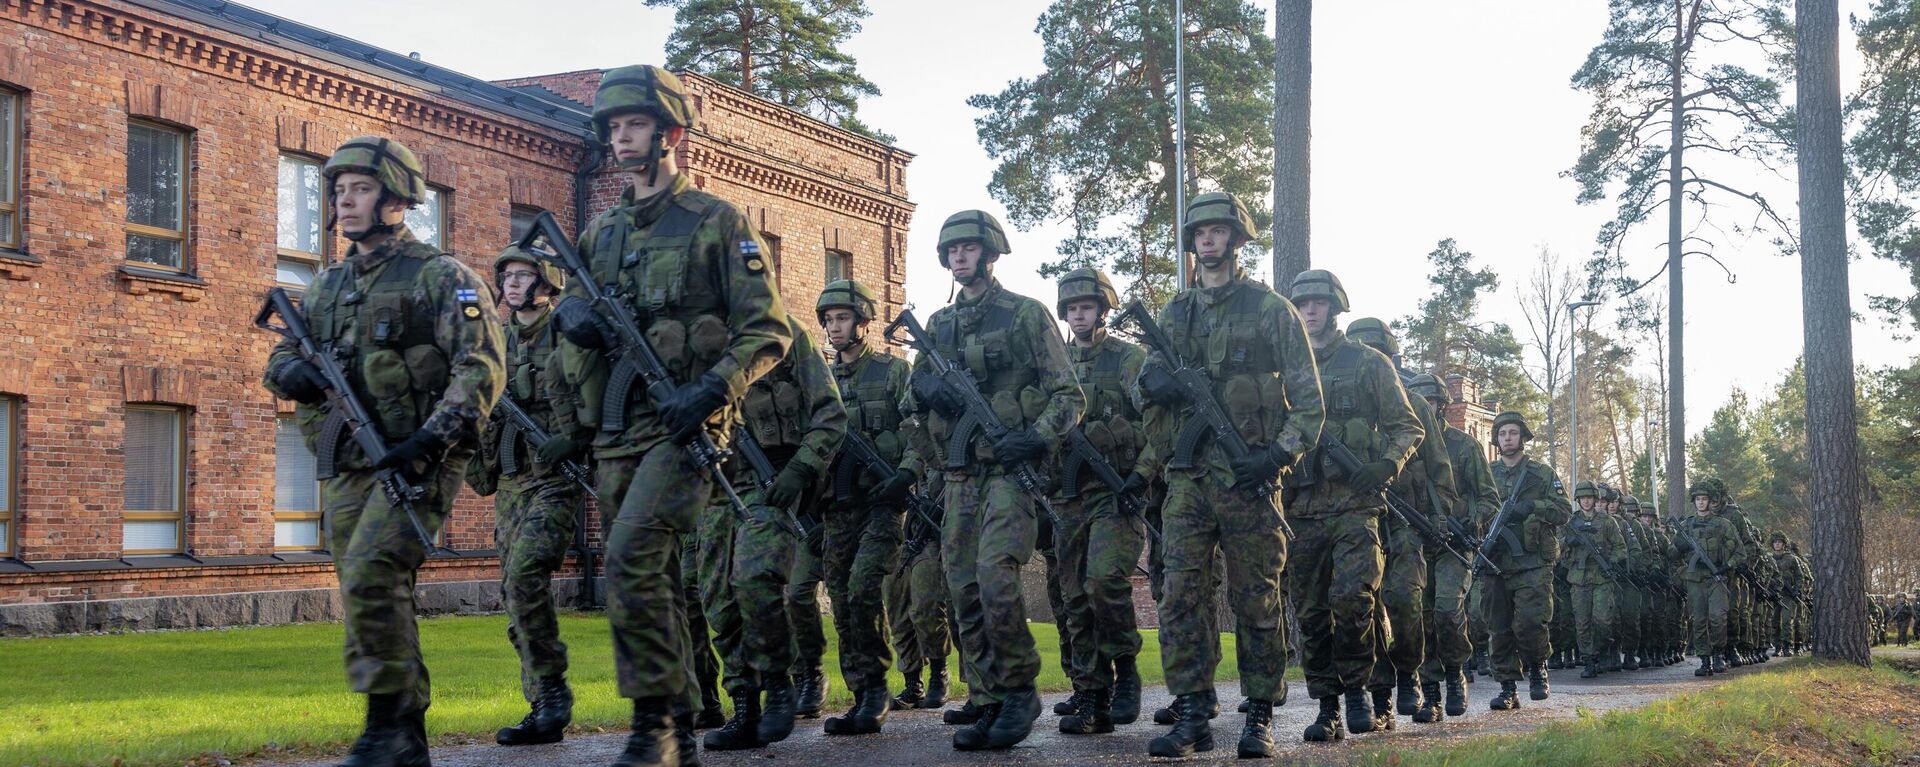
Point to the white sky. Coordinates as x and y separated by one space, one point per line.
1431 120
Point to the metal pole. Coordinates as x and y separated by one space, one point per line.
1179 144
1653 471
1573 392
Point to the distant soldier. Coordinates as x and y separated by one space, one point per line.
1451 648
1709 545
1901 614
1519 600
1591 550
413 330
1656 630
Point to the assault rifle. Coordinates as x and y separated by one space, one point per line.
1082 455
1205 416
346 416
1408 515
1593 550
977 417
1700 554
1499 525
634 359
859 455
520 424
764 473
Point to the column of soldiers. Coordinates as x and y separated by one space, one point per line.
736 467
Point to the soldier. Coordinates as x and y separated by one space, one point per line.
1256 354
917 607
1630 600
535 506
1709 545
1901 614
411 329
688 263
1518 601
1098 543
1591 550
1741 608
1678 611
1339 556
1877 617
1650 567
1009 344
1803 579
795 414
1450 579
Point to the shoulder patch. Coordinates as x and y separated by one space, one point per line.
750 257
469 299
1557 486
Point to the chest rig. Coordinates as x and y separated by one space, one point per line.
529 363
1230 339
1111 424
873 412
678 310
381 328
983 337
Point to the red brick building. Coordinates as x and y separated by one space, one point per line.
159 172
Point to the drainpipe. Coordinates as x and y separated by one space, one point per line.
593 154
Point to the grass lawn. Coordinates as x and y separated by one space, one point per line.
1802 712
167 697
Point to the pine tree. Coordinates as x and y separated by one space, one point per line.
785 51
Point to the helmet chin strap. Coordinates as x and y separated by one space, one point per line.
656 149
381 227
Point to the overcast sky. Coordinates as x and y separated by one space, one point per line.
1430 120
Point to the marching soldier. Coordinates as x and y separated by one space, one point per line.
1449 579
410 325
1526 542
1710 547
1591 549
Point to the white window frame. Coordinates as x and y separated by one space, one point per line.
179 514
316 260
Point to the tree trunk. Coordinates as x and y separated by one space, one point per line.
1839 568
1292 138
746 49
1676 298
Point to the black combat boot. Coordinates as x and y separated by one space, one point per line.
743 730
1093 716
1537 682
1359 712
1456 694
1609 660
966 714
1015 722
973 737
1706 667
776 719
1241 708
911 695
1591 669
1479 666
1172 714
1507 700
1326 727
1126 690
547 722
1732 660
389 738
1191 734
1382 708
1719 664
812 691
936 696
1554 661
711 714
683 727
869 711
1406 695
1256 738
1429 711
1068 705
652 743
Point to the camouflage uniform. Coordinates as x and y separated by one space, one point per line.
809 628
1519 601
1632 599
917 607
1593 592
423 354
1450 580
1707 593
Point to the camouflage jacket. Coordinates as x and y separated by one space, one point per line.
1427 482
794 411
1530 536
533 383
1108 371
873 384
417 340
1368 411
1581 561
1709 541
1472 479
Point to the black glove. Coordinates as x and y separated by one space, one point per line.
301 381
687 409
420 446
1134 484
934 394
580 324
1158 386
815 538
897 488
1372 478
789 485
1682 544
557 449
1259 466
1017 447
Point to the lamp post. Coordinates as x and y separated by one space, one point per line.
1573 394
1179 146
1653 471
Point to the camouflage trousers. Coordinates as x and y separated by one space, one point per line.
377 554
1707 607
1098 546
658 498
1595 612
1335 571
862 548
702 662
1519 607
743 572
987 537
1628 604
917 612
1563 633
1202 515
1448 647
1044 542
1403 598
803 611
1739 614
533 526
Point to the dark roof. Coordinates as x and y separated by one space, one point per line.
539 106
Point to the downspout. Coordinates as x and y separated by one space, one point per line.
592 156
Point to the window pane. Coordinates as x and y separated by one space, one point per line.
7 108
153 250
838 266
426 220
6 544
297 534
153 176
522 221
6 462
294 488
301 214
153 460
288 271
144 536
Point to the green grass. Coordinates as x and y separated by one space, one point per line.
167 697
1797 713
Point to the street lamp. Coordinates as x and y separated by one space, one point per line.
1573 395
1653 472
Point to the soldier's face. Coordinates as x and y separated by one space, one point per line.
1315 313
1778 546
1212 242
843 327
967 260
1507 439
1702 504
1083 317
356 203
1586 504
518 285
631 135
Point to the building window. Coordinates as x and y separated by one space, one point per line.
296 493
428 220
156 479
9 418
9 176
773 247
839 265
522 218
156 195
302 232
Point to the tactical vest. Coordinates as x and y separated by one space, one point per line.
983 338
384 333
775 410
1233 341
1352 414
529 368
1111 423
873 405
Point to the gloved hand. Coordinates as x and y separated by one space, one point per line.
301 381
580 324
815 538
1259 466
557 449
421 445
897 488
1158 386
686 410
789 485
932 393
1018 446
1682 544
1134 484
1372 478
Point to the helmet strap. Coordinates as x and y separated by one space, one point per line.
380 225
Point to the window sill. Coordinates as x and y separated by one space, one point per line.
183 561
140 280
18 264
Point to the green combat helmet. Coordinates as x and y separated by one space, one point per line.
1319 283
1511 417
550 275
400 174
1630 505
1608 493
643 88
1085 283
847 293
1585 490
1372 332
973 226
1703 487
1426 386
1217 208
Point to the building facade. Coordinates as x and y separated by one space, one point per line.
159 172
